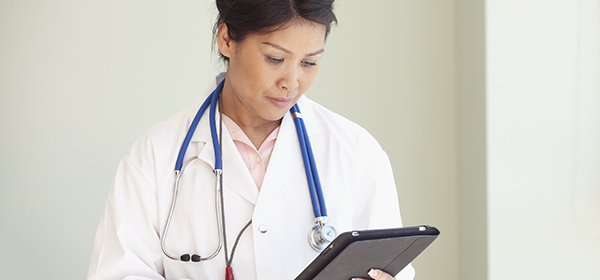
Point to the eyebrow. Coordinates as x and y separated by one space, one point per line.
289 52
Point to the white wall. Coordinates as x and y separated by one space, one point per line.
81 80
543 138
389 66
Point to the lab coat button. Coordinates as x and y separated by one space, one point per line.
263 228
257 159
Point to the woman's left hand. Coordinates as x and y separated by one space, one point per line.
377 274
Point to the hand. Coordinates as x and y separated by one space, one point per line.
377 275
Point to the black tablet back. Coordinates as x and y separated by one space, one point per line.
354 253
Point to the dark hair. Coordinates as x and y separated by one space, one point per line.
245 17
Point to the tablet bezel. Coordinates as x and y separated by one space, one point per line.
418 237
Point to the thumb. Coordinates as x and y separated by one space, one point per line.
379 274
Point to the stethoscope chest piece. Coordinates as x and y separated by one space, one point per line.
321 235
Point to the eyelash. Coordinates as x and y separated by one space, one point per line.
306 63
274 60
309 63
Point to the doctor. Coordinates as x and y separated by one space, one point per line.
272 49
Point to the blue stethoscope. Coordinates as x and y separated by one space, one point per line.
319 235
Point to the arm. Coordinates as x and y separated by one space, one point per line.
378 203
127 244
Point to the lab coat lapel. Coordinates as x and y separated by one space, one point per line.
202 136
235 173
286 160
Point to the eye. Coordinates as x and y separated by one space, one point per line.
308 63
274 60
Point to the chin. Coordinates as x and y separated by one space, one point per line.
276 116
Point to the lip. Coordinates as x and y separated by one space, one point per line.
280 102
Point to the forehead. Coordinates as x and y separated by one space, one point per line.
297 36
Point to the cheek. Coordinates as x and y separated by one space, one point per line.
308 79
256 73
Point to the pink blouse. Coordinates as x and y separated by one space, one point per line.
256 160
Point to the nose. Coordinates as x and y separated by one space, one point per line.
289 80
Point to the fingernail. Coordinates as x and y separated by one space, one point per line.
372 272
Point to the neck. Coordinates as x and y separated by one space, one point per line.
257 133
257 129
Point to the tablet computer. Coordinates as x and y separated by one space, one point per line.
354 253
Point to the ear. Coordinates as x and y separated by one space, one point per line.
223 41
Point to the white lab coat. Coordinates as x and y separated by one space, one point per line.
355 172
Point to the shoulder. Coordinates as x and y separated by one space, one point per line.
334 125
160 144
338 137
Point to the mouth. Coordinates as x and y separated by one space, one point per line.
280 102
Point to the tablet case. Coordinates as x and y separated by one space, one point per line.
354 253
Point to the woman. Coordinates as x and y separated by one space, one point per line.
272 49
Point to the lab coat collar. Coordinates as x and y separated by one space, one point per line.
286 159
202 133
235 173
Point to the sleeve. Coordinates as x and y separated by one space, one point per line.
378 199
127 244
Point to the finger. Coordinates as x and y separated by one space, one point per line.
378 274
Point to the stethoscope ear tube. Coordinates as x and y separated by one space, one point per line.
179 166
218 195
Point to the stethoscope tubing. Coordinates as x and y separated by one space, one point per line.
194 124
218 208
212 101
213 126
310 166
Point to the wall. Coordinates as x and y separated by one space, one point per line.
543 157
81 80
398 82
471 139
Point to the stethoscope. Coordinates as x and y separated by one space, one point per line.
319 236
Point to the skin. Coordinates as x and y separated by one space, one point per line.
267 75
377 275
